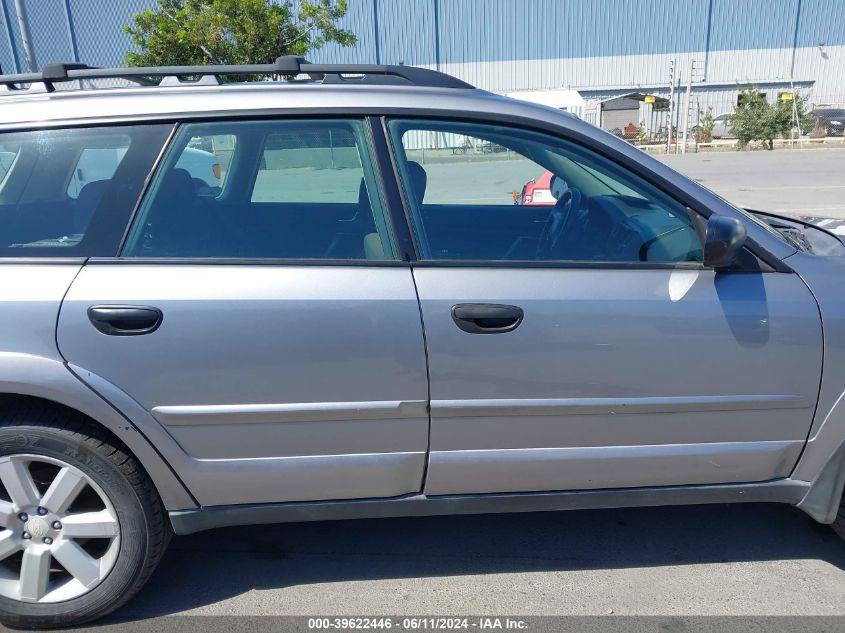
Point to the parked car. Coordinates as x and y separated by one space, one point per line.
832 120
537 191
722 126
342 332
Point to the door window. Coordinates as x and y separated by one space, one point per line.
492 193
69 192
293 189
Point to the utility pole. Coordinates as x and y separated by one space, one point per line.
26 36
671 106
677 122
688 103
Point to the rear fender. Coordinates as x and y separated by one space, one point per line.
29 375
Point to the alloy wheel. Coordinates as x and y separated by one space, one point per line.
59 533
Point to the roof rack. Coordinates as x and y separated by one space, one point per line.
288 65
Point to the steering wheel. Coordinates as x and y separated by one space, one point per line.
568 203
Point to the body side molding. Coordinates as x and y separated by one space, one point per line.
580 406
293 412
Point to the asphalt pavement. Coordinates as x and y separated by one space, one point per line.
808 182
751 559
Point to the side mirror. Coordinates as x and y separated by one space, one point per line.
723 241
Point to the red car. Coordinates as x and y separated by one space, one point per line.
537 192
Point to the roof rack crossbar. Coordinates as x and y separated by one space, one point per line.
285 66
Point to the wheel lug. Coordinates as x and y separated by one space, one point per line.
42 511
48 540
26 535
57 525
23 516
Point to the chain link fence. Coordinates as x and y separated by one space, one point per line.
68 31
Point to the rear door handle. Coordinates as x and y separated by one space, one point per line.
125 320
487 318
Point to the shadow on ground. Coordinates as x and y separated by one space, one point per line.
212 566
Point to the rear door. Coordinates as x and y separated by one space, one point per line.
584 345
265 321
48 226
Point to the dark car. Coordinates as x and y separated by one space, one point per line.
831 119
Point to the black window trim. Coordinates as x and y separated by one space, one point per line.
690 203
145 188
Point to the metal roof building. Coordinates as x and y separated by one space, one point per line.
600 48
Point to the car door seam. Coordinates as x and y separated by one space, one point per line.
61 306
427 378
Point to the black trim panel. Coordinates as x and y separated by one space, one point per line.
209 517
146 186
392 191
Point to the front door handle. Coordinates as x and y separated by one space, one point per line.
125 320
487 318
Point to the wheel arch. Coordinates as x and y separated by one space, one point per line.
38 379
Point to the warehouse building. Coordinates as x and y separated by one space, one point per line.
616 63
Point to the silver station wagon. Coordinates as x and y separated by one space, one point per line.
324 298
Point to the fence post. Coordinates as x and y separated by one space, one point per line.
26 36
8 29
71 32
688 104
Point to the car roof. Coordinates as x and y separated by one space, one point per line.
163 103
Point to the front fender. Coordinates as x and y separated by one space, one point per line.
822 463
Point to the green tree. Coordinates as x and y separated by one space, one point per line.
193 32
756 120
805 120
750 120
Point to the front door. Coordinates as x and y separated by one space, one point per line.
259 313
580 343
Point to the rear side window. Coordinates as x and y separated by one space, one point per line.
290 189
95 164
70 192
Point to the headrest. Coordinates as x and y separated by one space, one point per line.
92 193
177 184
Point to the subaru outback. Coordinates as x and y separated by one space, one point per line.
356 320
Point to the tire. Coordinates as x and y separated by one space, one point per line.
130 529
